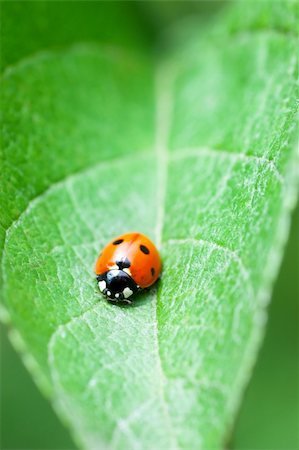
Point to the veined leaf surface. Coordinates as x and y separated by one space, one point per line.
198 153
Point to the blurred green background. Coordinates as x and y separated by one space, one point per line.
269 417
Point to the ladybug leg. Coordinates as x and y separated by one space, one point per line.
127 301
119 297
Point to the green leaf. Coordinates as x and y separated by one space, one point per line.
197 151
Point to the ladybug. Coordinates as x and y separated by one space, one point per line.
127 264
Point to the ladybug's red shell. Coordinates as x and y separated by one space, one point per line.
137 253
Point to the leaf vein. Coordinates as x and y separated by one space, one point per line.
197 152
233 254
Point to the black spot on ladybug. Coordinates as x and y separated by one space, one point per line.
118 241
144 249
152 271
123 264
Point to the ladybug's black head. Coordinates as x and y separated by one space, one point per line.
117 285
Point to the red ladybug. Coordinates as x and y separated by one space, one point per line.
129 262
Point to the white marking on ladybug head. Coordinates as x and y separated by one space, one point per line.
127 271
108 293
114 272
102 285
127 292
117 295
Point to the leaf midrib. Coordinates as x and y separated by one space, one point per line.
163 89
